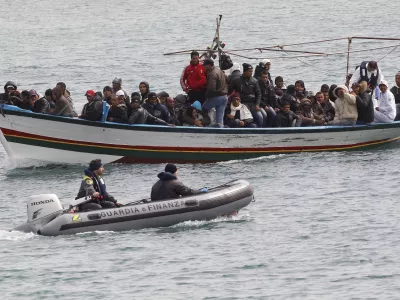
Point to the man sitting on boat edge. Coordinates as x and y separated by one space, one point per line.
169 186
93 185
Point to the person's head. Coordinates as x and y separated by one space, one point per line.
299 85
372 66
311 96
356 88
162 96
267 64
291 90
9 87
117 83
305 105
397 78
320 97
340 91
264 76
285 106
279 82
383 86
331 93
56 93
25 96
107 91
194 57
120 95
247 70
135 103
33 95
114 101
143 87
90 95
170 102
152 98
171 168
62 86
324 88
96 167
208 64
235 99
48 95
326 96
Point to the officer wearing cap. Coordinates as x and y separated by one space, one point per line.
93 186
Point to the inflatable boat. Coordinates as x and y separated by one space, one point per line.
46 216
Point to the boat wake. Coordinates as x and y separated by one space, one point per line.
268 157
241 217
8 235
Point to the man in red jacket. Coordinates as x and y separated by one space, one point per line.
193 79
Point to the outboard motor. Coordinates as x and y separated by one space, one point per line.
41 210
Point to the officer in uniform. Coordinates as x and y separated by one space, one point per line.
93 186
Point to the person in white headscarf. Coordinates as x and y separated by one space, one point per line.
386 111
346 113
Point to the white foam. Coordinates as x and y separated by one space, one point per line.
238 217
268 157
8 235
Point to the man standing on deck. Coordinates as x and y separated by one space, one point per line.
193 79
369 72
217 89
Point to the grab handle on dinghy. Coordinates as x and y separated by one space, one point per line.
191 202
94 216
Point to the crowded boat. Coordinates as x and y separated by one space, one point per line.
240 97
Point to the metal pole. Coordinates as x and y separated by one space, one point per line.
348 60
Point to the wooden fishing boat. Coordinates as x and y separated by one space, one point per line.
25 134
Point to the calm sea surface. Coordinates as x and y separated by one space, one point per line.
324 225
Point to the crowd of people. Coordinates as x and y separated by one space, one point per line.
246 98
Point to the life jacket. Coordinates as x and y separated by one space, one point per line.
98 184
373 81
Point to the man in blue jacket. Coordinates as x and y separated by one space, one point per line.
155 108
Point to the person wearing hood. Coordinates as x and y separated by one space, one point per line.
250 93
306 114
117 86
195 116
92 110
139 115
144 90
63 106
155 108
365 105
169 187
234 72
9 87
237 115
264 65
118 112
193 79
395 90
94 186
386 111
346 113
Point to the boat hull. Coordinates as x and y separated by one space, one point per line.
67 140
220 201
